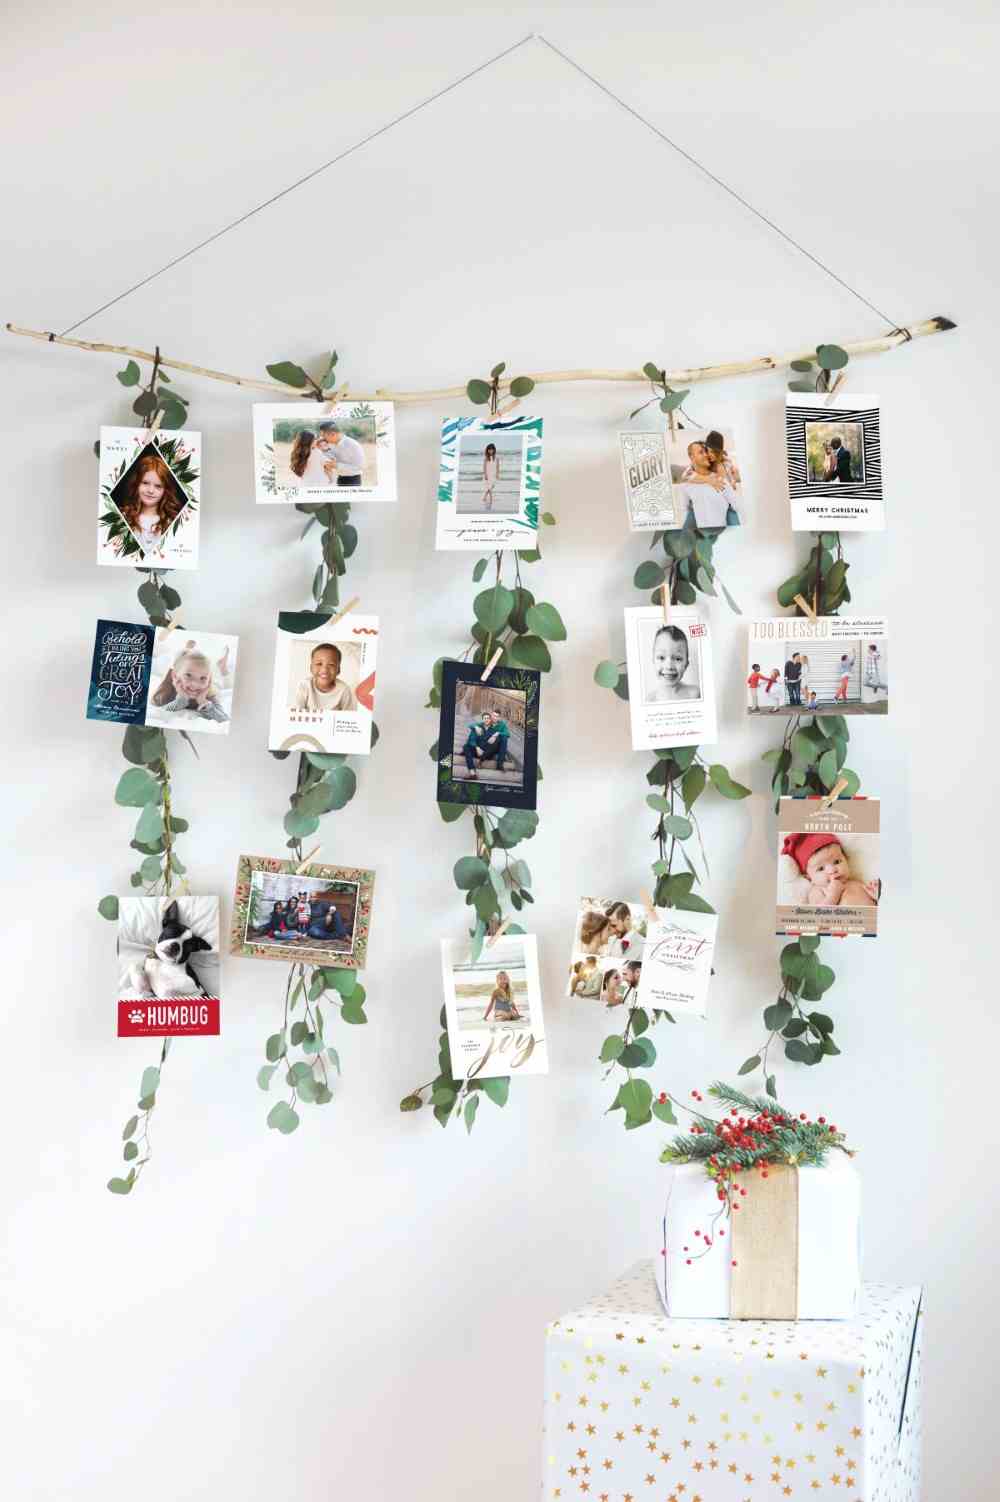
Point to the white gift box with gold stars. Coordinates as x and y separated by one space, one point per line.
643 1408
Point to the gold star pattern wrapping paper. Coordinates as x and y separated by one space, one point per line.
643 1408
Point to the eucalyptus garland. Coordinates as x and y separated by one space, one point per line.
146 783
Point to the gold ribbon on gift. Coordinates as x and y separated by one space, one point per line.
765 1243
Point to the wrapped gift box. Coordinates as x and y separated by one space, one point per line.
643 1408
795 1242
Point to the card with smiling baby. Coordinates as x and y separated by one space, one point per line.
670 681
828 866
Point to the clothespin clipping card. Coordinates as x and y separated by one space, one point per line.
301 870
665 601
834 793
154 426
487 670
171 625
502 929
833 389
803 604
341 613
506 409
651 912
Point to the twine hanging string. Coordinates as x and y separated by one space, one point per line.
433 99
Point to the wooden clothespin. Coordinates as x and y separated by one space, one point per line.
665 601
501 930
803 604
171 625
154 426
647 903
506 409
487 670
341 613
300 870
834 793
833 389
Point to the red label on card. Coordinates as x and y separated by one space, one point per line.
697 629
180 1017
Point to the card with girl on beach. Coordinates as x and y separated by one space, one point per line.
323 697
671 686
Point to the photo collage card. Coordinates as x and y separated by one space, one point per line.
670 678
154 675
314 452
168 967
608 942
319 917
493 1007
834 463
149 489
487 750
834 665
489 487
323 695
828 866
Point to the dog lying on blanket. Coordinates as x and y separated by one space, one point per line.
166 973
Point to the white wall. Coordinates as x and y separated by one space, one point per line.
358 1311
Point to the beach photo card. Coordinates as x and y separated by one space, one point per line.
705 478
834 463
493 1008
314 452
319 917
836 664
487 749
489 485
828 866
149 489
323 694
649 494
168 967
677 963
154 675
670 678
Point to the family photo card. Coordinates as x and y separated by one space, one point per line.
489 484
705 478
677 963
834 463
606 960
487 749
828 866
493 1008
321 917
168 967
835 664
671 686
324 451
149 488
323 695
153 675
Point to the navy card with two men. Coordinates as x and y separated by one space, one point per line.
487 750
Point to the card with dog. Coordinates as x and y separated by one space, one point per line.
489 484
319 917
608 942
834 463
828 866
168 967
671 687
487 749
177 679
312 452
677 963
834 665
493 1008
149 489
323 697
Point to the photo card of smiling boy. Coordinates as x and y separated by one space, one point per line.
834 463
308 452
487 747
670 679
323 698
828 866
489 484
149 489
176 679
493 1007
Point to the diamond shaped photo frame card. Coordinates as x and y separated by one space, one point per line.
149 494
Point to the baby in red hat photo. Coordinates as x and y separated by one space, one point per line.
823 862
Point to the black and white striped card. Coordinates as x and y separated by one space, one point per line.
834 463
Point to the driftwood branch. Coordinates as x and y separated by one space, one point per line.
680 377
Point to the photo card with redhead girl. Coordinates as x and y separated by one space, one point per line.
149 491
706 479
320 452
323 698
671 685
609 939
489 484
828 866
834 463
175 679
493 1007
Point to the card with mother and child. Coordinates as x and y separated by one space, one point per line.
172 677
671 687
323 695
315 452
828 866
